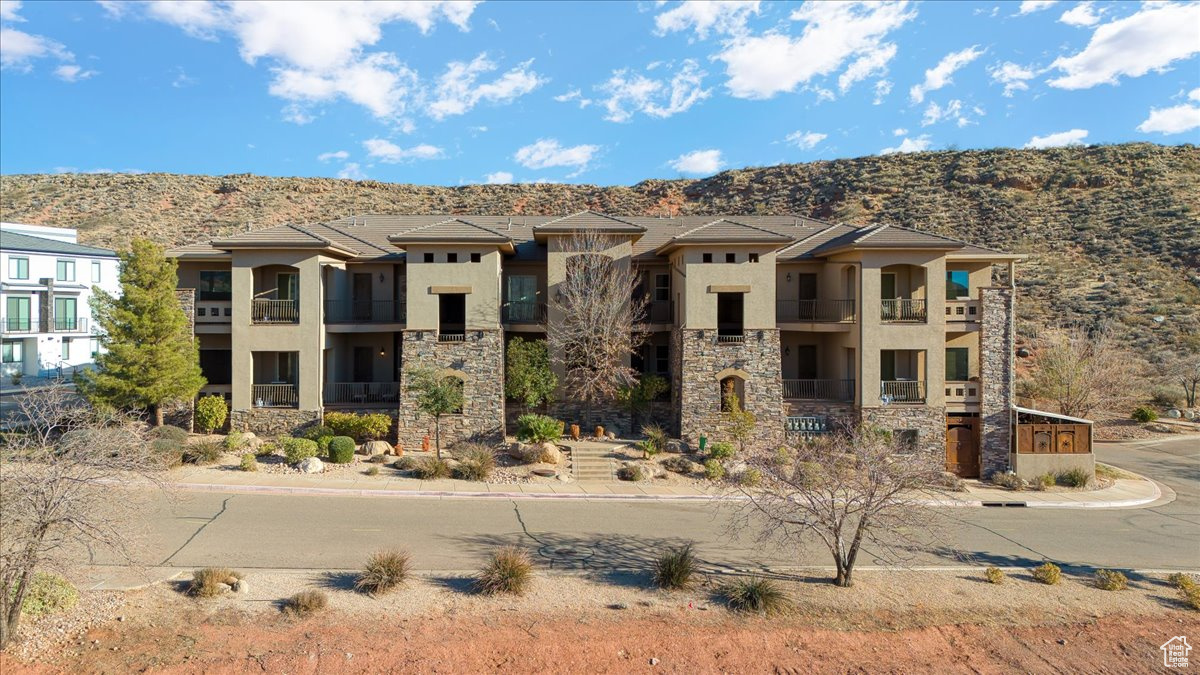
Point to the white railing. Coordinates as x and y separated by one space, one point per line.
274 311
275 395
903 391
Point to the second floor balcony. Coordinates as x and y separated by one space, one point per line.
263 311
365 311
815 311
903 310
902 391
818 390
57 324
523 312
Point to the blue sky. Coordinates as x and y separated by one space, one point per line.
607 93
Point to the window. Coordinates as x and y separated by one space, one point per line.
753 257
957 284
94 347
730 257
64 314
957 367
908 439
65 270
200 311
217 365
475 257
451 257
662 359
18 268
428 257
733 387
452 314
707 257
216 285
14 351
662 287
66 349
95 272
286 367
16 311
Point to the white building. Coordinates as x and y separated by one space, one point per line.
46 281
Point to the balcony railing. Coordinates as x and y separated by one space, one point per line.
827 311
902 310
452 336
660 311
903 391
731 338
361 393
819 390
17 324
962 392
804 427
523 311
69 324
365 311
275 396
274 311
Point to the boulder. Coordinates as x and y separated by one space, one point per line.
565 477
1174 414
517 450
651 469
372 448
1189 414
550 454
311 465
677 446
612 436
735 468
240 586
248 436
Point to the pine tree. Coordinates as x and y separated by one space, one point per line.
151 356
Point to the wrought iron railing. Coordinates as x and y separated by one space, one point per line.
827 311
731 338
274 311
365 311
819 390
660 311
902 310
17 324
361 392
275 395
524 311
903 391
69 324
452 336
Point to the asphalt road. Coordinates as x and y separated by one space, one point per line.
319 532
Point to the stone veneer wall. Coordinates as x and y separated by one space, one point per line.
929 421
273 421
839 415
699 398
481 359
182 414
996 351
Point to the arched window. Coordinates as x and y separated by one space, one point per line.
457 379
733 388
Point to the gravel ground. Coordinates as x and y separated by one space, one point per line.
38 639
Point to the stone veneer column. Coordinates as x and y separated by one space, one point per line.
481 360
996 345
701 359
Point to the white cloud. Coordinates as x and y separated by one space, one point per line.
918 144
954 110
547 153
1151 39
1013 76
1174 120
574 95
698 162
940 75
181 79
805 140
628 93
70 72
899 131
389 153
457 91
351 171
1194 94
8 10
1030 6
882 89
718 16
18 49
499 178
1058 140
760 67
339 154
1083 14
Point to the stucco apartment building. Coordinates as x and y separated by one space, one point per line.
813 323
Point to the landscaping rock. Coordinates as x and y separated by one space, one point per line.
311 465
681 465
612 436
565 477
550 454
224 588
240 586
372 448
677 446
735 468
1174 414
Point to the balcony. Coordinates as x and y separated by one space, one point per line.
731 338
660 311
902 391
275 396
814 311
274 311
523 312
903 311
69 324
361 393
452 336
819 390
365 311
962 392
17 324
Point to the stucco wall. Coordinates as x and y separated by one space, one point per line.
483 279
697 276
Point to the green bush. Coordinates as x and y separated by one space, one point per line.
203 453
1191 596
168 432
170 452
633 472
994 575
1047 573
431 468
361 428
341 450
533 428
749 478
679 464
508 571
1073 477
299 449
48 594
206 582
316 433
405 464
722 450
713 470
372 470
384 571
475 461
305 603
249 462
656 439
265 448
1110 580
1145 414
323 445
783 457
755 595
234 440
674 569
1044 481
211 412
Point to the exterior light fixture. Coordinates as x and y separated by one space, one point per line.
787 351
789 277
382 352
381 277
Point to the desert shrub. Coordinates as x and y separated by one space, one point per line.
656 439
203 453
168 451
249 462
749 478
305 603
994 575
234 440
366 427
755 594
475 461
385 570
508 571
533 428
299 449
431 468
1191 596
632 472
1181 581
674 569
713 469
372 470
48 594
1144 414
1110 580
1047 573
323 445
678 464
265 448
1007 479
722 450
206 582
211 412
1043 481
1076 477
341 450
378 459
316 433
168 432
950 482
405 464
782 457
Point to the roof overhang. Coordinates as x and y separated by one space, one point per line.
504 245
859 248
542 234
987 257
317 246
1057 416
673 245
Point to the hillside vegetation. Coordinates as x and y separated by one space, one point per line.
1112 231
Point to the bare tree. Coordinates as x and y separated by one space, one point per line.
1080 370
61 468
845 489
592 333
1181 368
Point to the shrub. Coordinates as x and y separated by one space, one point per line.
170 452
994 575
749 478
234 440
431 468
533 428
1181 581
1073 477
265 448
323 445
678 464
385 571
305 603
48 594
211 412
1043 481
203 453
341 450
656 439
674 569
631 472
1007 479
206 582
169 433
1110 580
1144 414
508 571
249 463
367 427
316 433
713 469
783 457
299 449
378 459
405 464
1047 573
1191 596
755 595
722 450
372 470
475 461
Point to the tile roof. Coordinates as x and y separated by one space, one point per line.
453 229
15 241
725 231
589 220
